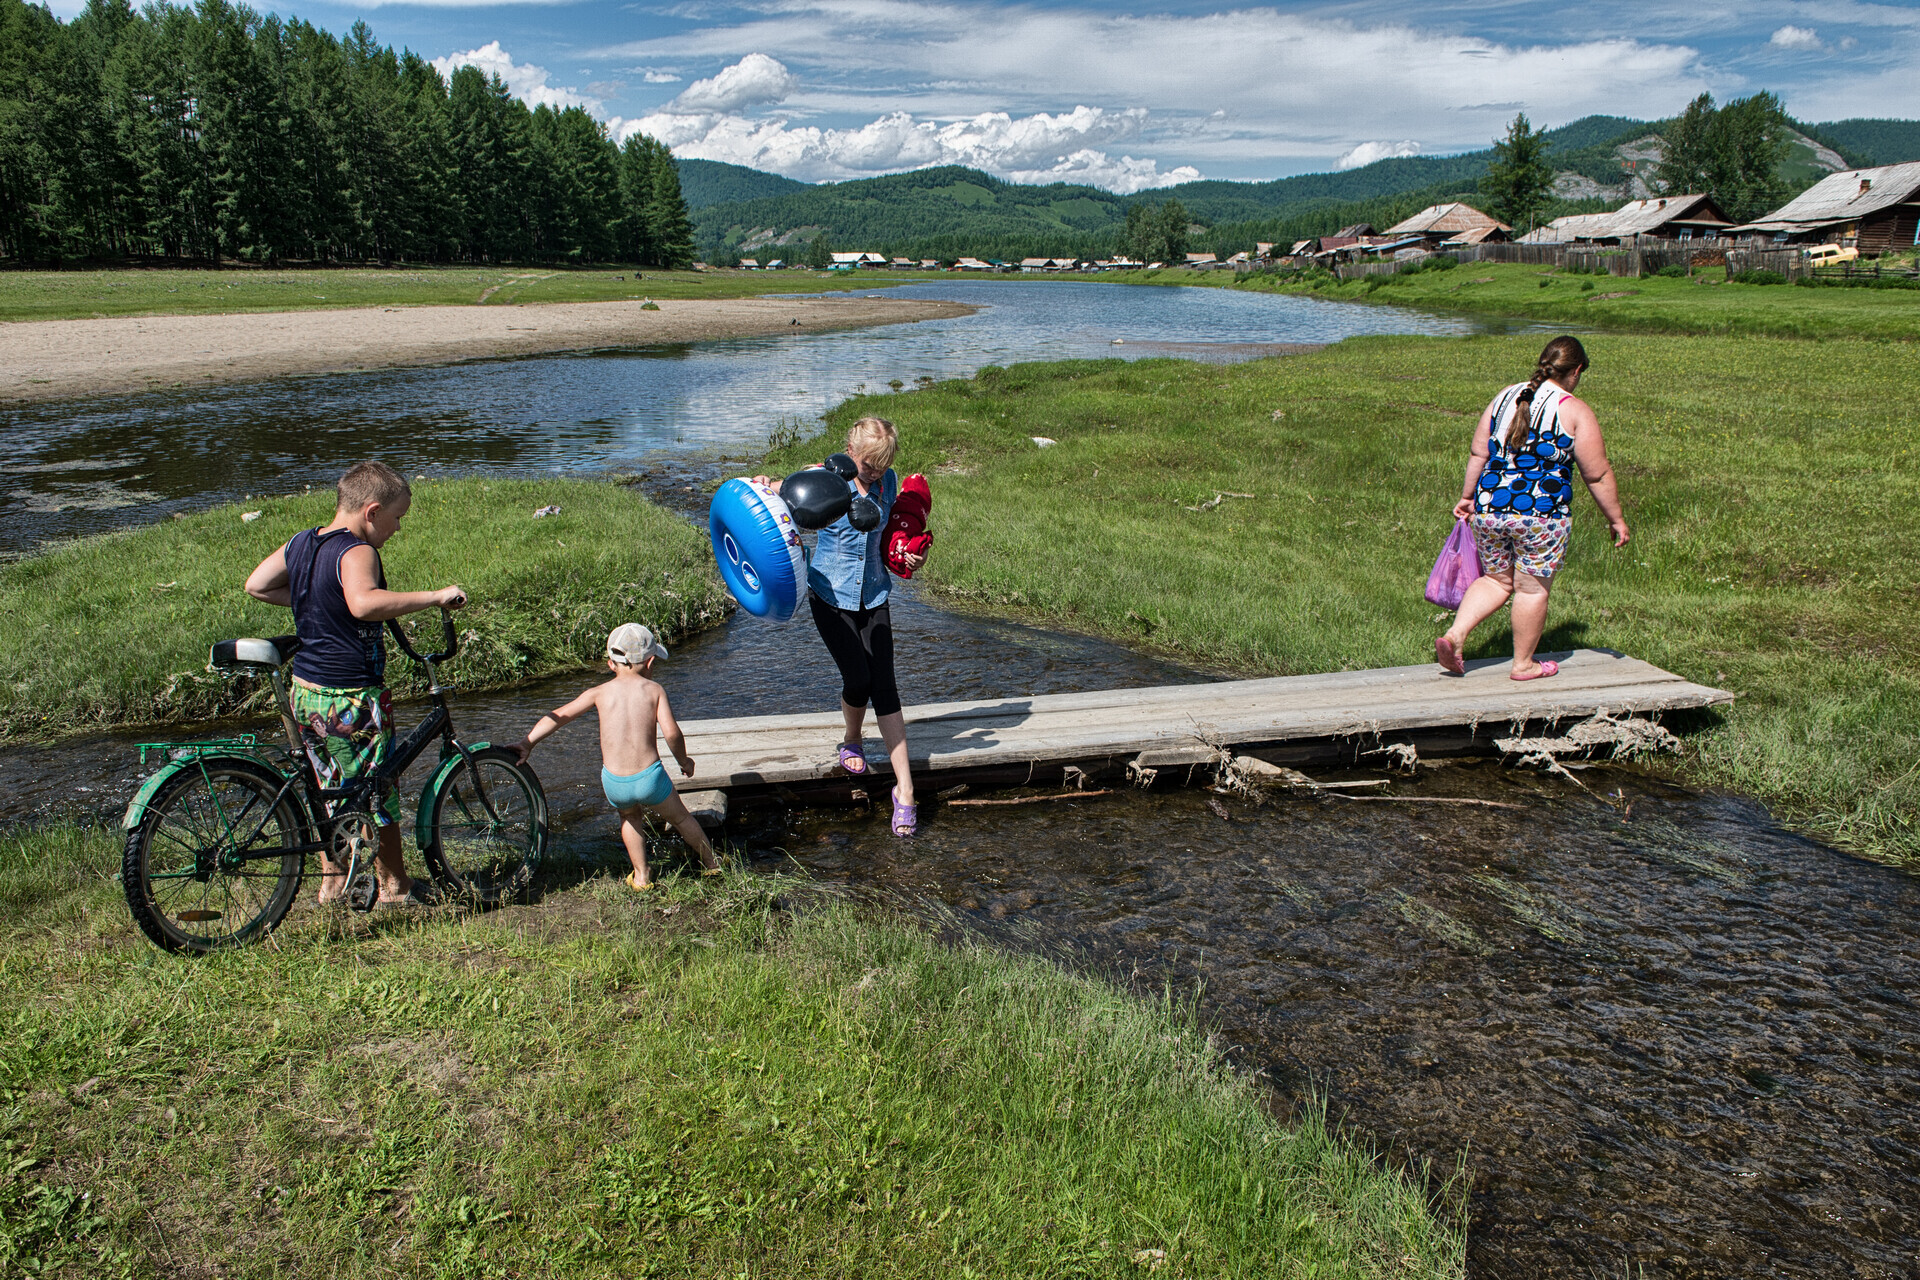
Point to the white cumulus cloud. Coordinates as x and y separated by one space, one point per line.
661 77
1367 152
524 80
753 81
1299 87
1791 37
708 122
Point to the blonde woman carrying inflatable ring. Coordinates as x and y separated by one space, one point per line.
1518 499
847 591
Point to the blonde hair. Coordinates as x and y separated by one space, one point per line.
371 482
873 440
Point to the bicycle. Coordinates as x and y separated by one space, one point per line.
218 837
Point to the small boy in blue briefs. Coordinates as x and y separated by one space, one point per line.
633 713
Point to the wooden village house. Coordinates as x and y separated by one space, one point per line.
1449 224
1657 217
1876 211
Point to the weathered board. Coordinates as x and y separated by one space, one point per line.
1172 725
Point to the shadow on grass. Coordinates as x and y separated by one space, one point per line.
1497 642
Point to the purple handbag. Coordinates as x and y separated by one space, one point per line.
1455 570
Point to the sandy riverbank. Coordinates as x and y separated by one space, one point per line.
59 359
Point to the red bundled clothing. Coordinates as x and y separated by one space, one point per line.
906 532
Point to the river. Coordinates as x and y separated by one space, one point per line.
74 468
1670 1037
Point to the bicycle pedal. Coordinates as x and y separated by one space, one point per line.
364 894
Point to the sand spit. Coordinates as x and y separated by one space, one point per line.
62 359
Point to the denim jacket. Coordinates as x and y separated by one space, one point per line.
849 568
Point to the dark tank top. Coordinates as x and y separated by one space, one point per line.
337 649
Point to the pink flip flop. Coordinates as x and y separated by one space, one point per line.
853 759
1547 668
906 817
1447 654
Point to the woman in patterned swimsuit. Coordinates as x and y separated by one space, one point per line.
1517 500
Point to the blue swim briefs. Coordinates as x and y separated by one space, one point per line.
649 786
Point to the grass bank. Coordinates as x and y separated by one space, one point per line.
1769 484
115 630
72 295
694 1084
1655 304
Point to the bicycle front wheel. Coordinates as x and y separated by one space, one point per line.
489 828
216 860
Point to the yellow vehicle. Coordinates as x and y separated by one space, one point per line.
1830 255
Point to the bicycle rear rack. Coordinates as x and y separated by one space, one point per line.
194 750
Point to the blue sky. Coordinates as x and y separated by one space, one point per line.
1131 97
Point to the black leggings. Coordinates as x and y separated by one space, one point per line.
861 642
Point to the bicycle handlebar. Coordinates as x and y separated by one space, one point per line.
451 639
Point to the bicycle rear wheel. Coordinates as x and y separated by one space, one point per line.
486 851
215 861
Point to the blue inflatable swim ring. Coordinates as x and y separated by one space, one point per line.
757 546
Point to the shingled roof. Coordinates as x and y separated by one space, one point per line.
1845 196
1639 218
1451 219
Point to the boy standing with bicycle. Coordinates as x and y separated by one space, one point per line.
332 579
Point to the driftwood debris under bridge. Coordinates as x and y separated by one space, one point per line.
1113 732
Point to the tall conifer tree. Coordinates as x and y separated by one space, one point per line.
667 216
636 199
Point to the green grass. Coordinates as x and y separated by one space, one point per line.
115 630
693 1084
68 295
1701 305
1770 485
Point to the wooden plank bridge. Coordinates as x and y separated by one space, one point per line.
1285 720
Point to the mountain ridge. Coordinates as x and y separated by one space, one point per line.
949 210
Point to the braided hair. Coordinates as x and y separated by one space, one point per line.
1560 357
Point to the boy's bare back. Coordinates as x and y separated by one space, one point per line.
629 709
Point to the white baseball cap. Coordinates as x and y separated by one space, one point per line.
632 644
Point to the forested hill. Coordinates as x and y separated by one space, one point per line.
944 212
705 182
948 211
1876 141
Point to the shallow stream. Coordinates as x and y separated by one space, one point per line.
1667 1034
1670 1037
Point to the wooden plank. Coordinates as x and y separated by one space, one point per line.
1182 724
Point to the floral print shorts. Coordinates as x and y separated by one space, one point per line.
1534 544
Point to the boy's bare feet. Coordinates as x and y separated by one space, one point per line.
415 894
333 885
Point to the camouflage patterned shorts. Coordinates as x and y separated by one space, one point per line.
347 733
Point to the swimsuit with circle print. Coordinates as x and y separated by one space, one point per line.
1538 479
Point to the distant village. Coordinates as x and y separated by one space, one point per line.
1851 215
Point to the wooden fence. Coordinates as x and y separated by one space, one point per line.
1356 270
1643 258
1535 255
1866 271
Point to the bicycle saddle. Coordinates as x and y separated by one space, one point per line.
264 654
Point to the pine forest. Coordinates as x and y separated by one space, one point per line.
215 133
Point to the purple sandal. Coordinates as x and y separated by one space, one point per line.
853 759
906 817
